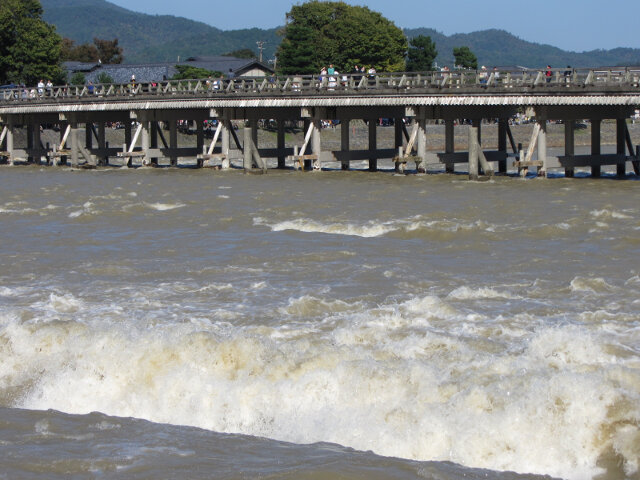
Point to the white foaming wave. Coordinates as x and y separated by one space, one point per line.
217 287
64 303
374 383
607 213
307 225
309 305
467 293
161 207
223 197
12 210
584 284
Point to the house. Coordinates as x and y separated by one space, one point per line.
159 72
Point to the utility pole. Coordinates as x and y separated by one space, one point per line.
260 44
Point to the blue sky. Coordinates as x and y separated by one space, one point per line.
577 25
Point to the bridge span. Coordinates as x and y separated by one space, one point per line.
147 111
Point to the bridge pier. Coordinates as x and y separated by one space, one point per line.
11 141
173 142
344 142
153 140
473 152
373 141
316 144
421 140
595 144
449 142
569 145
280 144
542 145
225 133
621 125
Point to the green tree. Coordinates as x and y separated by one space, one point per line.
242 53
189 72
320 33
104 78
29 47
78 78
465 58
108 50
421 54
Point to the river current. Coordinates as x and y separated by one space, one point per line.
179 323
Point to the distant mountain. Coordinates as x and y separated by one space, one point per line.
150 38
164 38
500 48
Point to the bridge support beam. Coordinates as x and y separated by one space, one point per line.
225 133
75 146
449 142
36 143
247 147
173 142
344 142
153 140
503 124
421 166
542 145
373 144
10 141
473 151
621 125
569 144
127 141
103 158
30 134
280 144
596 123
316 142
146 127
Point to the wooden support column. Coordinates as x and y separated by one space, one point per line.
421 164
199 135
595 145
103 159
30 130
621 125
173 142
226 140
449 142
316 143
503 123
75 147
281 144
345 141
145 141
37 143
473 151
569 144
248 157
373 144
542 146
10 141
153 140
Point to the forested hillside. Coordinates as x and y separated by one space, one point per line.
164 38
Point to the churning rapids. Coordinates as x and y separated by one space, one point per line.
200 324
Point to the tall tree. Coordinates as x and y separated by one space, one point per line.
421 54
465 58
320 33
29 47
105 51
108 50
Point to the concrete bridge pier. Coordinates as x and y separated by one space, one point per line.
75 145
473 151
316 143
31 128
127 141
621 126
10 139
596 123
225 134
542 145
103 158
373 144
569 145
173 142
449 142
280 144
421 140
153 140
145 141
247 162
503 124
345 142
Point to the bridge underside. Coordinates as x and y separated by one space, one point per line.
151 130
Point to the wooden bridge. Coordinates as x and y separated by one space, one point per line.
412 100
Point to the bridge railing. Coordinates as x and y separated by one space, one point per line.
456 81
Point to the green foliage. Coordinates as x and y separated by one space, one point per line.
242 53
189 72
104 78
421 54
29 47
465 58
320 33
78 78
106 51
